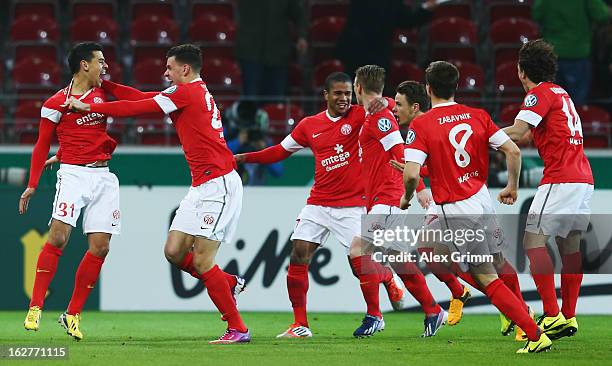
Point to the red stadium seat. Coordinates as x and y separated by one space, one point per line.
322 71
453 38
143 53
401 71
26 119
283 117
212 29
218 8
471 76
154 29
221 73
93 7
94 28
149 8
40 8
513 9
34 28
36 73
508 114
595 120
338 8
323 35
149 74
404 45
455 9
508 35
506 78
42 51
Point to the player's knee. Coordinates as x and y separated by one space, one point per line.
173 255
299 257
99 250
57 238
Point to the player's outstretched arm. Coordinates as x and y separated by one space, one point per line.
517 130
37 163
121 108
269 155
509 194
124 92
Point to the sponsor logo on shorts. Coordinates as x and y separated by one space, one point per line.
375 226
346 129
116 215
209 220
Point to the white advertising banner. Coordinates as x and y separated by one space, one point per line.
136 275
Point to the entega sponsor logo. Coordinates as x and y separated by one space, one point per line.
338 160
91 119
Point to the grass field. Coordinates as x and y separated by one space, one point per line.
113 339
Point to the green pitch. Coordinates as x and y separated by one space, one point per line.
116 339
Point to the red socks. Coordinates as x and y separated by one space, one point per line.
415 283
443 274
509 305
220 294
297 286
187 266
571 278
369 281
45 270
541 268
508 275
86 276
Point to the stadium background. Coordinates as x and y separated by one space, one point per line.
481 37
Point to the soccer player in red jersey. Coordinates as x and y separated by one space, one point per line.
380 141
84 182
411 101
336 200
454 139
208 214
561 206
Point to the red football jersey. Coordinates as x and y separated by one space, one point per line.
334 144
455 140
379 134
197 120
82 138
557 133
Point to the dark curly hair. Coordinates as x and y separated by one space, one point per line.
537 59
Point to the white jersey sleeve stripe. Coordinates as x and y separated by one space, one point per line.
50 114
415 156
498 139
530 117
290 144
391 140
165 103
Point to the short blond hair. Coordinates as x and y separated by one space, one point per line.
371 78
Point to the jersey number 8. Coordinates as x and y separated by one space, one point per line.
462 157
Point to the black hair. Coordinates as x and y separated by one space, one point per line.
442 77
80 52
414 92
189 54
337 77
537 59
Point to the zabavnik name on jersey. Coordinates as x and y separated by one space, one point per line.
454 118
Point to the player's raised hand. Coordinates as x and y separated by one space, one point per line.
49 162
240 158
425 198
76 105
507 196
378 105
25 199
397 165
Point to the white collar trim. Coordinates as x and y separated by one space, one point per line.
444 104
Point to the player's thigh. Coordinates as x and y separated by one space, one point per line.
302 251
312 225
211 210
102 213
345 224
72 191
